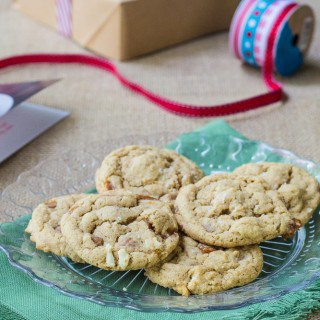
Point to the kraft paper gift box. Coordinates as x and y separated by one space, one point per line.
124 29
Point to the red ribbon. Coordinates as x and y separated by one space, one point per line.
274 95
269 65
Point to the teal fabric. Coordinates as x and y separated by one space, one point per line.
21 298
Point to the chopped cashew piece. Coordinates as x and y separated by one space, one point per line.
109 256
152 243
123 258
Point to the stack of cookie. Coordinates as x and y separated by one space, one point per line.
156 211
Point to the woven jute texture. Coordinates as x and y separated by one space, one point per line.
200 72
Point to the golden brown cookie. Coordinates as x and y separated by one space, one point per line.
45 228
119 230
228 210
148 169
200 269
298 188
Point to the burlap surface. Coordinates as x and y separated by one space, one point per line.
201 71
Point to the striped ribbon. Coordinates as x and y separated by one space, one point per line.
254 33
64 17
274 94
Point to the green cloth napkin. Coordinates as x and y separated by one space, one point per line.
21 298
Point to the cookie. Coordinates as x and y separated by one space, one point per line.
227 210
45 228
299 189
119 230
148 169
200 269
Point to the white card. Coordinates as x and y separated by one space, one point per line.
24 123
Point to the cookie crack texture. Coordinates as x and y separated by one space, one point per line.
147 169
230 210
191 271
119 231
290 173
45 226
298 189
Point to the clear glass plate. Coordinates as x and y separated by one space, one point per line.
288 265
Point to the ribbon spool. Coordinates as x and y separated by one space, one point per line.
272 34
251 30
